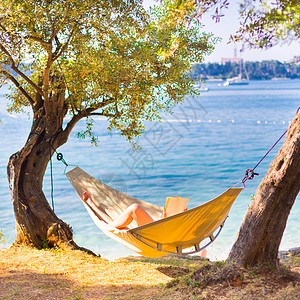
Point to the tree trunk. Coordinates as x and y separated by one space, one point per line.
260 235
36 223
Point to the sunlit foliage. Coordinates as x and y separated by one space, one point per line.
108 58
267 23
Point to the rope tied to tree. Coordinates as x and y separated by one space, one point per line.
249 174
59 157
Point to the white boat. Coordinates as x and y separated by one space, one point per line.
280 78
201 88
238 80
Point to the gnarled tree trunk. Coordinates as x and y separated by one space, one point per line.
260 235
36 223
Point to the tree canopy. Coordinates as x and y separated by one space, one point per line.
112 58
267 23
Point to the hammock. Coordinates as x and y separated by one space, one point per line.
163 236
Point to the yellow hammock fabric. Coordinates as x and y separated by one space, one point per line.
163 236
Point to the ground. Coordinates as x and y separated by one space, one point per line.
27 273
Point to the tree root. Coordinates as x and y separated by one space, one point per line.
61 235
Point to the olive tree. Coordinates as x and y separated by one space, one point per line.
74 59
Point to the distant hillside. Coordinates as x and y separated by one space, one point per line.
256 70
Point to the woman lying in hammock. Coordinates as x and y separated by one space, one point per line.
133 212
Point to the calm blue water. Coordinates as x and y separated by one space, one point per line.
198 152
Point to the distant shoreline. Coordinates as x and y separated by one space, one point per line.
223 79
265 70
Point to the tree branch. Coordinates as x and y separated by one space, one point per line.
58 46
52 58
37 39
47 81
82 114
64 135
55 32
13 66
97 114
64 47
17 84
90 110
38 90
106 115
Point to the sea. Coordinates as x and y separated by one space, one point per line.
201 149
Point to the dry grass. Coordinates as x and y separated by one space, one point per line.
26 273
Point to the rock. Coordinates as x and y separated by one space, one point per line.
283 254
286 256
294 251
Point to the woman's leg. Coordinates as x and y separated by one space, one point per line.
203 253
133 212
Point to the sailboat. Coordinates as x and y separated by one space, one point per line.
238 80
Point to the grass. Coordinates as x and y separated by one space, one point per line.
2 239
296 259
192 262
27 273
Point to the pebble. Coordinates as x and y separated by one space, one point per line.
286 254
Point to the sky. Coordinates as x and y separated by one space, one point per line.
229 25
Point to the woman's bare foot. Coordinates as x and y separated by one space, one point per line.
88 200
85 196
